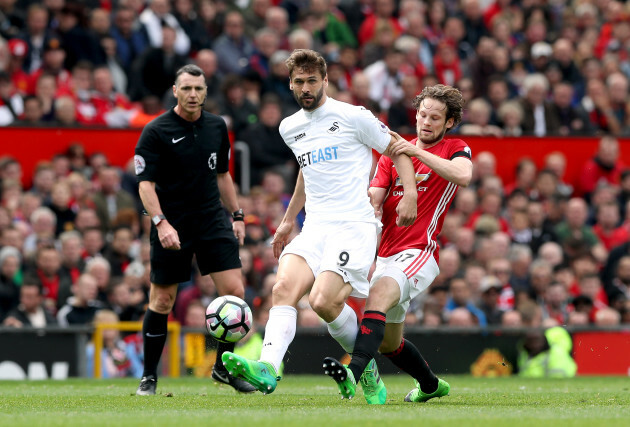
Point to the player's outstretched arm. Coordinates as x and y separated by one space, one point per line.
458 171
281 237
166 233
407 208
230 201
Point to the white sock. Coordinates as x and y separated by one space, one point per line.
344 328
279 333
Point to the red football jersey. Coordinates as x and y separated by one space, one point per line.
435 195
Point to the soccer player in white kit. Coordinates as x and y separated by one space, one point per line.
407 260
332 255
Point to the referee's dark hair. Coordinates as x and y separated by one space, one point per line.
191 69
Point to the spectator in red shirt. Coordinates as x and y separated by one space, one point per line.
590 285
502 270
446 63
383 9
607 226
56 285
82 85
112 108
525 176
53 63
598 105
605 166
436 16
22 81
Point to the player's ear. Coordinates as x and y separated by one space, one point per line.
175 91
449 123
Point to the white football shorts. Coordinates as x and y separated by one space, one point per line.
346 248
414 270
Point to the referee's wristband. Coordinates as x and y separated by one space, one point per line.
238 215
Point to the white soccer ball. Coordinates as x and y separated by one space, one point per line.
228 318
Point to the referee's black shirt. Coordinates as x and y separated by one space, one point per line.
183 159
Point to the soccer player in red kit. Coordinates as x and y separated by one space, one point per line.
407 260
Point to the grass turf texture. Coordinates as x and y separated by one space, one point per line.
313 401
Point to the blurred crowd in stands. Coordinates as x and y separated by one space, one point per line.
526 67
532 251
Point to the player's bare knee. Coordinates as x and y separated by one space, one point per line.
326 309
235 289
283 293
384 294
317 302
163 303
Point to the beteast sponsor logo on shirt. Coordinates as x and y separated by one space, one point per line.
317 156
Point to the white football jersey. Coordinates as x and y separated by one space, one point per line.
333 146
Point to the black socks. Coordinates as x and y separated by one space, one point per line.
371 333
154 330
408 358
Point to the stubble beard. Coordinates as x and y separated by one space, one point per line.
315 102
432 140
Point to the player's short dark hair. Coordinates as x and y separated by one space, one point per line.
191 69
449 95
308 60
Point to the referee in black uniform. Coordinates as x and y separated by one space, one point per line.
181 162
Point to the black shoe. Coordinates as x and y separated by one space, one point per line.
147 386
238 384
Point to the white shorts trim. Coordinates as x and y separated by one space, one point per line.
346 248
414 270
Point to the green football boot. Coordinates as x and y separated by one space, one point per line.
342 376
374 389
261 375
416 395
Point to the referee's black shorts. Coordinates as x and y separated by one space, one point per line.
214 252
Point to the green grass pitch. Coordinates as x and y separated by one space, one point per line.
305 401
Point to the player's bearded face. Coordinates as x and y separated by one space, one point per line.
309 101
308 90
431 124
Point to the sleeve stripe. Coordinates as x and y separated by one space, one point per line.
461 154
